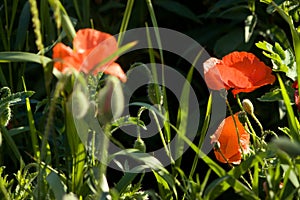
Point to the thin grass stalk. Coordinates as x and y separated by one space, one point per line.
33 131
125 21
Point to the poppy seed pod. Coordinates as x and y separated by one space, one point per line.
248 106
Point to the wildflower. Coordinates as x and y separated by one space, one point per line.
296 95
242 71
90 47
229 146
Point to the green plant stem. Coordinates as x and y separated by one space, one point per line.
103 159
235 125
253 134
125 21
33 131
162 137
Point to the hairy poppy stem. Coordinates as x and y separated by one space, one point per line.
235 125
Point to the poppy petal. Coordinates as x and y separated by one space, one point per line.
212 75
227 137
115 70
62 56
101 52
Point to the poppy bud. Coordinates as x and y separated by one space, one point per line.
248 106
217 145
139 144
242 117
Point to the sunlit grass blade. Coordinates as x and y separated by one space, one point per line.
183 115
294 130
125 20
202 133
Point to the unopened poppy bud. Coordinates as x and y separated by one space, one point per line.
139 144
217 145
242 117
248 106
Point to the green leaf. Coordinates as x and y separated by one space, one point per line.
274 95
56 185
23 26
14 98
286 145
283 60
17 56
178 9
292 120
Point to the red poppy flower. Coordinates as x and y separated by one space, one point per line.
227 137
242 71
90 47
296 95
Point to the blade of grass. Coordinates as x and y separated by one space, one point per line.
183 113
76 6
167 129
290 113
17 56
125 20
33 131
202 134
12 145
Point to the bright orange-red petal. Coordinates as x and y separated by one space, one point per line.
61 52
212 74
227 137
88 39
101 52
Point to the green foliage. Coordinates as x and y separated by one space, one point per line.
282 60
55 159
